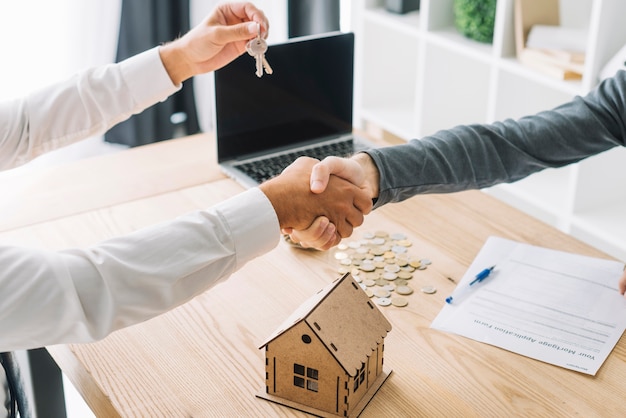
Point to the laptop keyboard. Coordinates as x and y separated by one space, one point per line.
262 170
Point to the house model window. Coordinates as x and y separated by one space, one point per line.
302 380
327 358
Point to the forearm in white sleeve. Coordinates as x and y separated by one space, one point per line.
85 105
83 295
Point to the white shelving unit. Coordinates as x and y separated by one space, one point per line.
415 74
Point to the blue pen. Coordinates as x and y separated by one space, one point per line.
479 278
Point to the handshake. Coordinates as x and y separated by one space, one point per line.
319 203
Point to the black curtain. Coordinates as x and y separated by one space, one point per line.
146 24
309 17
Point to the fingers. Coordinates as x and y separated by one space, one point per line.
341 167
338 201
297 207
242 12
238 22
320 235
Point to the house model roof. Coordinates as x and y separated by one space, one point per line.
346 321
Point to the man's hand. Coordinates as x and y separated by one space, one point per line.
215 42
360 170
343 203
321 235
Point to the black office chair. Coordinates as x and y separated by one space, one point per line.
47 386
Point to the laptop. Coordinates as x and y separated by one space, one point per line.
303 109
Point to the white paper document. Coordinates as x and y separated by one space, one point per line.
553 306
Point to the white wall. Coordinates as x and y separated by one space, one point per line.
44 41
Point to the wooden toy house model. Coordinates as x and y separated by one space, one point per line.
327 357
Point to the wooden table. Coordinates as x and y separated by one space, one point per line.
202 359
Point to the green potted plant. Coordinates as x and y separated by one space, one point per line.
475 18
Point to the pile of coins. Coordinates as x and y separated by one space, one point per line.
380 262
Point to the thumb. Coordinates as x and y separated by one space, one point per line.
238 32
345 168
320 174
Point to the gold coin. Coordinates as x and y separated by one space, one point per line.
405 275
369 293
389 254
382 293
391 268
404 290
399 301
401 261
415 263
358 256
380 282
369 283
405 243
381 234
400 282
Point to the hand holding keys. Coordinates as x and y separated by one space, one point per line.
257 48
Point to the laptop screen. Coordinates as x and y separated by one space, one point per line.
307 98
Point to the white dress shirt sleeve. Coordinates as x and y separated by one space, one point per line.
87 104
82 295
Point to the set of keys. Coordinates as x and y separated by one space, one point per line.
257 48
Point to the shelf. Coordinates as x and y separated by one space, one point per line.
451 39
530 96
408 24
397 119
567 87
418 75
456 91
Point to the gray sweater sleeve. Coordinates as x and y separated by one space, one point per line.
482 155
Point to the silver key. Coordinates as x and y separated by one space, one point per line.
257 48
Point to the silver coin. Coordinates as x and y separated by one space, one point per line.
340 255
398 249
383 301
429 289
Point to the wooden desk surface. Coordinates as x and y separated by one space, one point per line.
202 360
